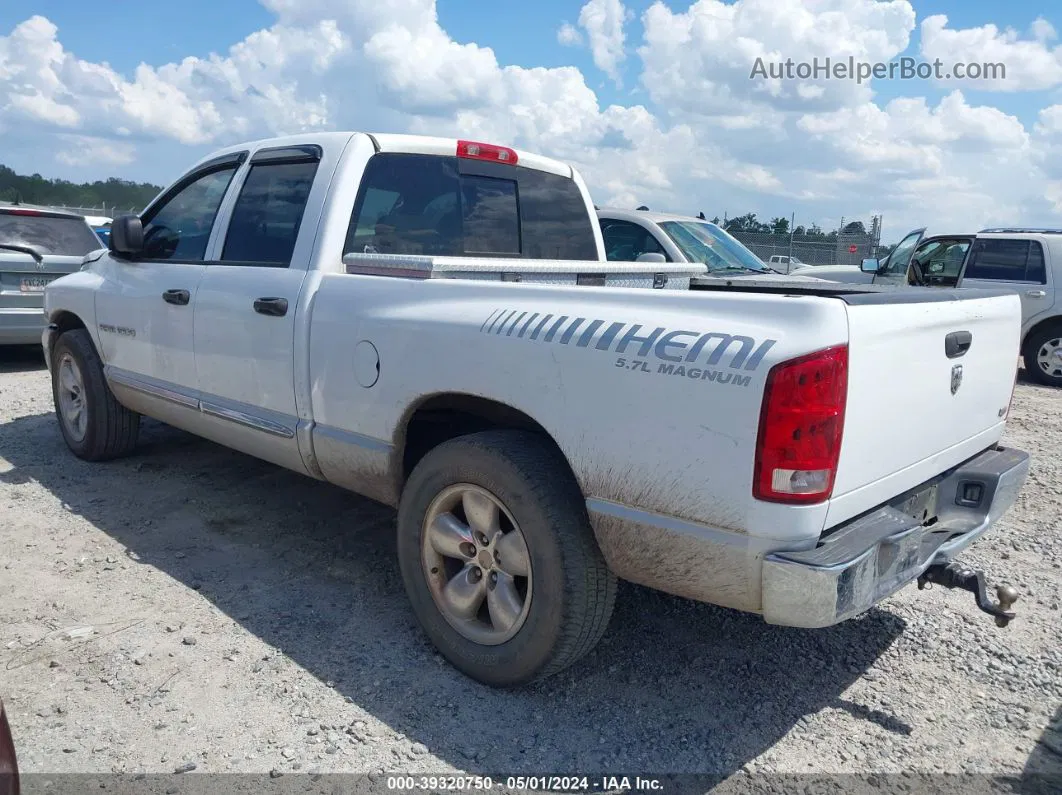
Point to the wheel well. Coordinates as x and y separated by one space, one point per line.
441 418
1051 322
64 322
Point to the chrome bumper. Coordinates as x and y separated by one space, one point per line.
872 557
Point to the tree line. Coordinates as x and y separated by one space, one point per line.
780 226
113 192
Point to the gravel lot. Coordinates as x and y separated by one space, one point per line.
193 606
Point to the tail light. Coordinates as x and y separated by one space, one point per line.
495 154
801 423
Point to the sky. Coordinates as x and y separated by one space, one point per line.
652 100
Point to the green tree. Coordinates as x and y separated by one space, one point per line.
112 193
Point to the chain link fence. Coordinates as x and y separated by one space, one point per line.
106 211
838 247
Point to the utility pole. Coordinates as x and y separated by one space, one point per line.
792 231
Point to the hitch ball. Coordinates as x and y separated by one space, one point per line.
1007 596
954 575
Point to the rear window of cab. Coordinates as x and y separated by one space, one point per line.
446 206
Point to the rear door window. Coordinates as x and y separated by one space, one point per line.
48 234
1007 261
440 206
268 213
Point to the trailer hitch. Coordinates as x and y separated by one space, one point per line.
954 575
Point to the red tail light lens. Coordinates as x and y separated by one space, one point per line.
801 424
495 154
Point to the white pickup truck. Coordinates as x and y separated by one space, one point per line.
432 323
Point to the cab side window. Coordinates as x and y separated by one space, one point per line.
179 228
1007 261
626 241
268 213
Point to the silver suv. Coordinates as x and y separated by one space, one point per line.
1028 261
37 245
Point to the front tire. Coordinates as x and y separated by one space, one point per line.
95 426
499 560
1043 356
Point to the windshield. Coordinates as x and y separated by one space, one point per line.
708 243
48 234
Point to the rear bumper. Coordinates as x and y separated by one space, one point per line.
875 555
22 325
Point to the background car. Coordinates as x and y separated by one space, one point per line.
101 225
37 245
784 263
641 236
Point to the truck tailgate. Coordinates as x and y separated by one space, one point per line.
919 400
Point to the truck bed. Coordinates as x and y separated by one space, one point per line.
852 294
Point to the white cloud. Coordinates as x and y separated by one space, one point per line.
569 35
603 21
701 60
1042 30
710 139
1030 64
83 150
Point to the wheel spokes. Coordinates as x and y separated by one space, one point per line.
67 380
464 594
504 603
481 513
477 564
451 538
512 556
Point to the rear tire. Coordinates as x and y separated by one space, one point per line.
518 484
95 426
1043 356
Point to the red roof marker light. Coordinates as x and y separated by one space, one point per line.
473 150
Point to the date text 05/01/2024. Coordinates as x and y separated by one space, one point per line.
475 784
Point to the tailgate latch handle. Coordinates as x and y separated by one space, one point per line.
957 343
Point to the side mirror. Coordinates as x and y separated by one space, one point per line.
127 236
869 266
651 256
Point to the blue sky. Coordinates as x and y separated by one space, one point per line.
521 33
698 136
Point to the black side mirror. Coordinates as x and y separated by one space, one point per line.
127 236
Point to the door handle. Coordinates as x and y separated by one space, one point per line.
274 307
957 343
1036 293
178 297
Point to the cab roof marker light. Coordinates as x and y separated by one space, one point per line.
474 150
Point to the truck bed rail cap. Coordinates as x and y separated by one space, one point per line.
411 265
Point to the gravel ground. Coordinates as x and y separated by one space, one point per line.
191 606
